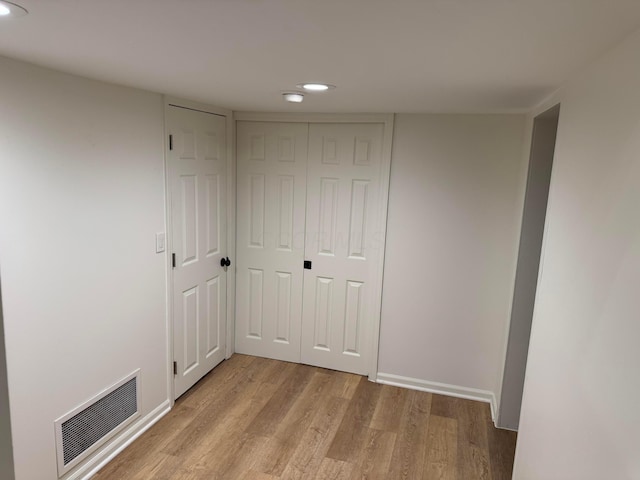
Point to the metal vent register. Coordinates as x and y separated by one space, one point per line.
83 430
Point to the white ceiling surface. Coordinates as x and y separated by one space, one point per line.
384 56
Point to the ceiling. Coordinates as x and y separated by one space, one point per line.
384 55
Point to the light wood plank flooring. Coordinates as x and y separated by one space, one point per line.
259 419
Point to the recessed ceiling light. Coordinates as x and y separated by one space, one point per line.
294 97
316 87
8 9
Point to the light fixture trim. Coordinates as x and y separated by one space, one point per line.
293 97
11 10
315 86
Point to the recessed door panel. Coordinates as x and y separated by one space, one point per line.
352 318
190 325
214 316
358 218
213 214
212 146
328 216
286 150
189 191
256 303
256 216
283 307
286 185
197 169
322 314
187 145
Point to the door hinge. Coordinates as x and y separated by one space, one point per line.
170 142
307 264
173 260
175 368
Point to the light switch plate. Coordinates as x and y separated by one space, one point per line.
160 242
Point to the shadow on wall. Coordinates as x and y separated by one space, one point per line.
543 144
6 450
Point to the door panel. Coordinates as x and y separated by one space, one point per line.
343 179
197 183
270 238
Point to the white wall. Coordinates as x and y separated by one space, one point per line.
454 211
580 416
81 198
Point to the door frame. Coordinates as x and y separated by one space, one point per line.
387 142
170 101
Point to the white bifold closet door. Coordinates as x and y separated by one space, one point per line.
342 206
309 193
272 169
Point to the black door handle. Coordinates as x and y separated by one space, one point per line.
225 262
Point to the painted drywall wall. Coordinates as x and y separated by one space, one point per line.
6 448
455 204
81 198
531 232
580 416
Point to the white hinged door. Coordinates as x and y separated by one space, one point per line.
197 169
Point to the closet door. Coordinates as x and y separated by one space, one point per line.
343 243
272 159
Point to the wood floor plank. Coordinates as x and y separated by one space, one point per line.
261 419
226 397
376 455
294 425
443 406
158 468
331 469
315 442
352 434
392 400
217 454
409 452
277 407
502 450
345 384
473 448
442 449
225 373
253 475
255 451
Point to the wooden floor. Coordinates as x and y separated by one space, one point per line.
259 419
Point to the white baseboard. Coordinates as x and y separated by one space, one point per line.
113 448
441 388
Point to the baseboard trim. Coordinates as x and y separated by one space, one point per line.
440 388
109 452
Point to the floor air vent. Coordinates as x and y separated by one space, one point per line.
81 431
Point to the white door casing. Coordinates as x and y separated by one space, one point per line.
344 225
271 159
343 241
196 171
